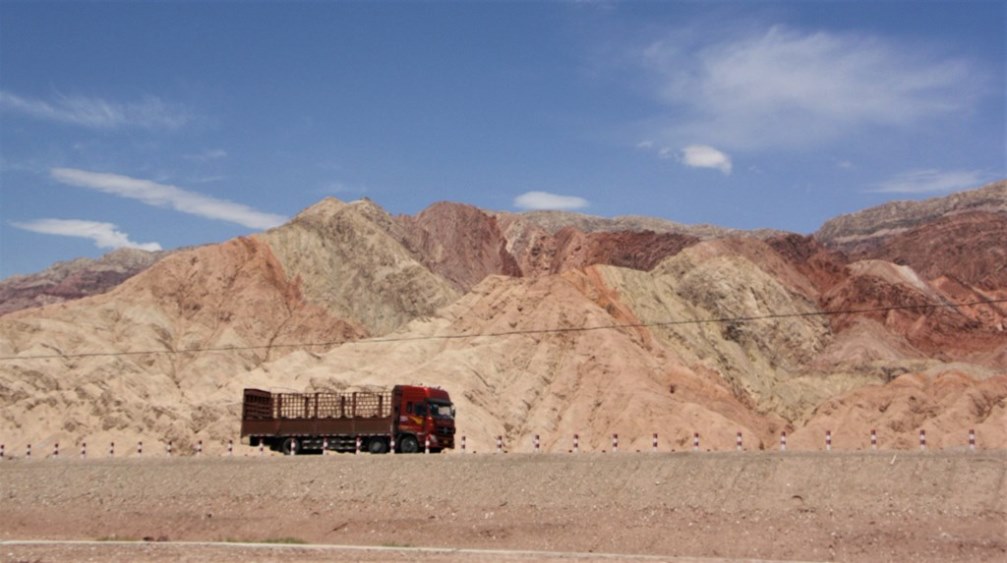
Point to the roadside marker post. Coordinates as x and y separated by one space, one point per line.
168 448
695 442
55 450
426 444
463 444
499 444
391 443
783 441
230 447
654 443
199 448
615 443
537 444
874 439
1 452
972 440
28 451
923 439
111 449
262 450
828 440
356 446
139 448
576 443
83 450
739 442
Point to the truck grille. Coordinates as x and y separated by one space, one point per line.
445 431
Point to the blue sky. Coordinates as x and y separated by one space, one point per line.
160 125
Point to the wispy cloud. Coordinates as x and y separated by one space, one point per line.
149 113
163 195
341 188
546 200
702 156
104 235
207 155
932 181
790 88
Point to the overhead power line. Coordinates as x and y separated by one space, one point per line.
523 332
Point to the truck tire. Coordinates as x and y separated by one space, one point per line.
408 444
377 446
291 446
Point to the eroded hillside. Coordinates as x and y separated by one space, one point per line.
539 327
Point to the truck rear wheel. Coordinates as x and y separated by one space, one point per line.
377 446
291 446
408 444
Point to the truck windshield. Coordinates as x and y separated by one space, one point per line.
442 410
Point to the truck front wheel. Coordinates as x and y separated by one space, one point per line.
409 444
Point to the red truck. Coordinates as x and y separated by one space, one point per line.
308 423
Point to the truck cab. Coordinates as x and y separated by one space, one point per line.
424 413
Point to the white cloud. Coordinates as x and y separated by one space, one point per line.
546 200
163 195
932 181
702 156
149 113
786 88
104 235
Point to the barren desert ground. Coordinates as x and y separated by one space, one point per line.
849 506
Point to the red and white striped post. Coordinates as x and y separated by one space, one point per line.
923 439
199 448
695 442
262 450
426 444
111 449
1 452
356 445
654 442
972 440
463 444
27 451
874 439
55 450
828 440
783 441
576 443
499 444
168 448
139 448
537 444
738 441
83 450
325 445
391 442
615 443
230 447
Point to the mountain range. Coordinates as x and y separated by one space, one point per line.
891 319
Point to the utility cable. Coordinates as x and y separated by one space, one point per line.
523 332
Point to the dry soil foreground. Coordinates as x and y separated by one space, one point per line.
940 506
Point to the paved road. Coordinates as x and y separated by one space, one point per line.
17 551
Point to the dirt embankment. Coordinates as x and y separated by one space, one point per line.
810 506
